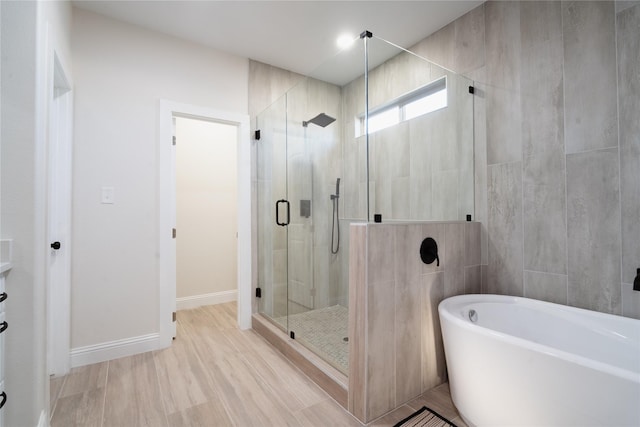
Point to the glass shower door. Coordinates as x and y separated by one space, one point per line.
271 151
285 222
314 168
300 255
299 166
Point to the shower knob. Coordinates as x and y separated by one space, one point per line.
429 251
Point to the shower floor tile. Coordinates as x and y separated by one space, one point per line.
323 331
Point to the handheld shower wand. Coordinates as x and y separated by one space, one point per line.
335 226
337 195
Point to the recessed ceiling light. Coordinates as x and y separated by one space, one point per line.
345 40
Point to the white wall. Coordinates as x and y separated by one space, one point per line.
206 209
31 31
120 73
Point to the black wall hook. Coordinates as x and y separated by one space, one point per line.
429 251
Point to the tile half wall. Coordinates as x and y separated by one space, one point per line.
396 351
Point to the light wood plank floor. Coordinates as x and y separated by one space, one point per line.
213 375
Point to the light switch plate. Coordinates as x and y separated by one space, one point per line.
107 195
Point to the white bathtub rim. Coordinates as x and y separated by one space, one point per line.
530 345
516 299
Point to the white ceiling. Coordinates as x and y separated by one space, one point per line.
294 35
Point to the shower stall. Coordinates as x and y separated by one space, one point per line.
375 130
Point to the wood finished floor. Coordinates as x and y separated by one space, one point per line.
213 375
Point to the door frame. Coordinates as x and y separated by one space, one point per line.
58 271
167 211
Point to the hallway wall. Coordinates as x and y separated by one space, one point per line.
206 212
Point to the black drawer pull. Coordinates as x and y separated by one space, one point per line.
3 296
3 395
3 327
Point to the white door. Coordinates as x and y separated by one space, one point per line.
59 226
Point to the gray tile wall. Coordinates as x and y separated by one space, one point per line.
557 146
589 37
593 232
505 229
558 91
396 350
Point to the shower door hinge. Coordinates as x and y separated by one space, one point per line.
257 135
174 140
173 316
472 90
292 335
258 293
173 233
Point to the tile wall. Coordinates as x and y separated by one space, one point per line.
395 347
557 146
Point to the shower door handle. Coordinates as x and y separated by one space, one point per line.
283 224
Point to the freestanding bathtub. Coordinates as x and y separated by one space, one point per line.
517 361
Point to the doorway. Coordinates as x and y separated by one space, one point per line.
206 212
167 211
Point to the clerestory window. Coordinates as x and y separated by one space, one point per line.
416 103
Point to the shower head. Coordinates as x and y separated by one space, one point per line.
321 120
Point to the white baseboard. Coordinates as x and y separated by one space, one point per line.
90 354
185 303
96 353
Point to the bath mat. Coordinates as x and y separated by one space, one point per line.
425 417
